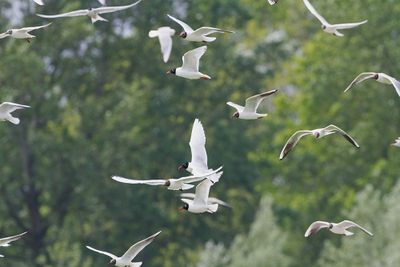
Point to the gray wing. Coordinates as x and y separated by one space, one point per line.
102 252
4 242
9 107
29 29
76 13
110 9
198 146
239 108
202 192
314 12
191 59
131 253
210 30
185 27
253 102
315 227
360 78
343 26
348 224
292 142
39 2
336 129
131 181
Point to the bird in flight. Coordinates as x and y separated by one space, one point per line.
164 35
5 242
22 33
336 228
7 108
379 77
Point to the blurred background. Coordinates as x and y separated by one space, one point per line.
102 105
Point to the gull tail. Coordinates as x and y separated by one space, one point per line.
13 120
212 208
97 18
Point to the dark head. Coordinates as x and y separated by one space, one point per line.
173 71
323 27
235 115
113 262
184 207
9 32
316 134
183 35
330 226
376 76
183 166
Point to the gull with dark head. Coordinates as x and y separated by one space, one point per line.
190 66
164 37
336 228
7 108
379 77
317 133
249 111
331 28
210 200
22 33
126 259
199 35
5 242
93 13
396 142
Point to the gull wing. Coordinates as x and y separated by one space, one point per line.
165 39
336 129
29 29
396 142
343 26
210 30
253 102
198 146
102 252
315 227
360 78
191 59
239 108
76 13
5 242
347 224
131 253
273 2
202 192
131 181
196 178
9 107
4 35
185 27
103 2
39 2
292 142
315 13
394 82
110 9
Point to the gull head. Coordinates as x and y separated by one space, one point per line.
173 71
323 27
183 35
9 32
183 166
235 115
184 207
330 226
316 134
376 76
113 262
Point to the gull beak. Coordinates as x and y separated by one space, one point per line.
169 72
181 209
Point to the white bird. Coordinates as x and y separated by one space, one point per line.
6 108
39 2
249 111
93 13
379 77
337 228
22 33
199 162
210 201
273 2
190 66
183 183
164 36
103 2
199 35
5 242
200 203
126 259
331 28
396 142
317 133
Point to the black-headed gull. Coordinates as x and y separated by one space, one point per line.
396 142
331 28
273 2
210 201
379 77
200 204
39 2
337 228
249 111
93 13
126 259
164 36
190 66
199 35
183 183
5 242
317 133
199 162
22 33
7 108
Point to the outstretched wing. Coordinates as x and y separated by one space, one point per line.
185 27
39 2
396 142
191 59
347 224
272 2
343 26
131 253
202 192
253 102
394 82
29 29
315 227
334 128
131 181
165 39
239 108
210 30
109 9
198 146
103 2
314 12
292 142
5 242
211 200
102 252
360 78
76 13
197 178
9 107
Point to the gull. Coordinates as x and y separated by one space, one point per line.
22 33
317 133
337 228
396 142
249 111
39 2
190 66
200 203
331 28
199 35
93 13
5 242
126 259
183 183
379 77
210 201
273 2
7 108
164 36
198 165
